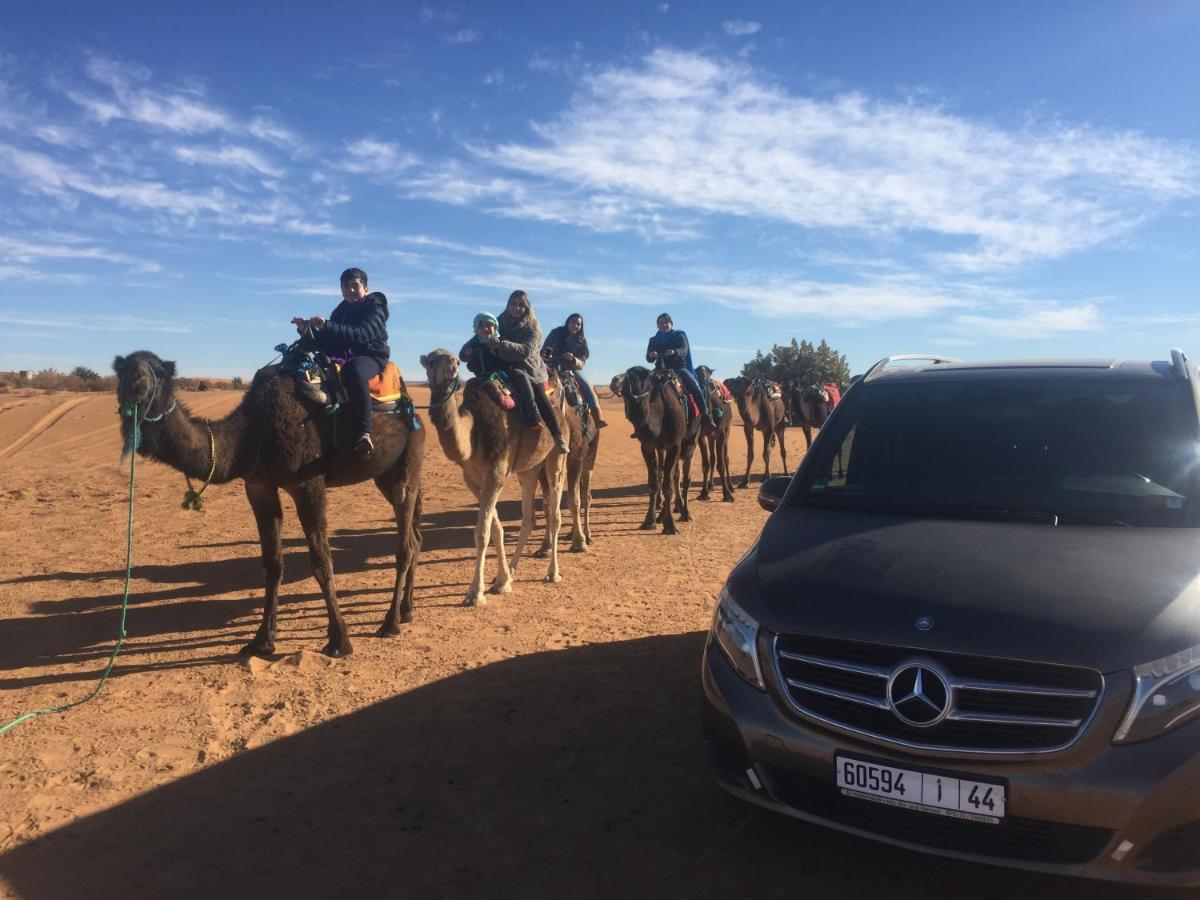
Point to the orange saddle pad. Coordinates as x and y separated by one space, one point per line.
388 385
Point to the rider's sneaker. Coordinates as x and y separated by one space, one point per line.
365 446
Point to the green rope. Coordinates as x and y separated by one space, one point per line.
130 413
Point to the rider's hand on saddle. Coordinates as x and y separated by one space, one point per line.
569 357
653 354
669 353
317 322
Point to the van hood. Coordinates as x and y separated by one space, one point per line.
1103 597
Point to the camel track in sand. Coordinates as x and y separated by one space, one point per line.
42 425
202 409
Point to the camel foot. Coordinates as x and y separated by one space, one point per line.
553 578
541 552
744 484
670 528
501 587
685 516
338 649
475 600
258 648
728 498
703 497
388 629
648 525
579 547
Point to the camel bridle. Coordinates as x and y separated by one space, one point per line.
453 389
127 410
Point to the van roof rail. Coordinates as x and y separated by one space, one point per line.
884 363
1179 363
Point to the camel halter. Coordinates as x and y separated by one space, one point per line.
455 385
192 498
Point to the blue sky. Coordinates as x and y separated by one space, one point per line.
979 180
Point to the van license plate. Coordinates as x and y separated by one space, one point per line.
960 798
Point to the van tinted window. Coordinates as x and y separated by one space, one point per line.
1074 451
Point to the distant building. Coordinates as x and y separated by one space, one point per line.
25 375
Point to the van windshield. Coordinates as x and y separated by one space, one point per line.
1060 450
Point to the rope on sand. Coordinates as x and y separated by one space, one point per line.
132 414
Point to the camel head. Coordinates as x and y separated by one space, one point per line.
144 383
704 373
441 368
617 384
635 388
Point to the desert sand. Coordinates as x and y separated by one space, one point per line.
546 744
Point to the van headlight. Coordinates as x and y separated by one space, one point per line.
737 636
1166 694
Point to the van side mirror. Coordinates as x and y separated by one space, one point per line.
771 491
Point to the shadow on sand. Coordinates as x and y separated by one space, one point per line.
570 773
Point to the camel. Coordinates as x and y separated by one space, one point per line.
275 440
489 444
580 463
762 413
808 408
668 437
714 441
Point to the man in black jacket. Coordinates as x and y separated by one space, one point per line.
355 335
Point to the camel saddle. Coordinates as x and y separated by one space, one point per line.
670 377
323 385
719 396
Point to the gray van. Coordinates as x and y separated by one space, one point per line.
971 624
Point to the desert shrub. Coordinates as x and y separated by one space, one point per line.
236 383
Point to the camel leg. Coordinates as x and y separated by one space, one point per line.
585 492
704 471
685 514
489 494
555 466
529 483
502 583
406 502
670 474
268 515
807 438
651 458
575 467
749 429
544 549
723 467
768 439
310 506
782 432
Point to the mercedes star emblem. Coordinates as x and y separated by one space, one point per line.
918 694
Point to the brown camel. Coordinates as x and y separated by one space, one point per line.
274 440
580 463
714 441
760 412
654 406
489 444
809 407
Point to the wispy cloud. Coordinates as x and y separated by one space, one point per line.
740 27
105 323
26 251
684 133
228 156
1033 323
481 250
371 157
464 36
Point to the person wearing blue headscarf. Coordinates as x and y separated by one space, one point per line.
670 349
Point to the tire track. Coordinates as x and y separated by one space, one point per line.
42 425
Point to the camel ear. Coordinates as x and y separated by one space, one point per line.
119 365
424 361
169 368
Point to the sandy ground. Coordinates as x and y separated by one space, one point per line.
544 745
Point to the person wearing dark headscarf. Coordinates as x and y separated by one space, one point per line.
566 349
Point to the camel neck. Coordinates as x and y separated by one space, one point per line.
184 443
453 424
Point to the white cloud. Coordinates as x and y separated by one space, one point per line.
740 27
482 250
371 157
26 251
685 132
494 77
1033 323
230 156
851 304
464 36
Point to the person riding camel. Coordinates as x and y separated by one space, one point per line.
355 335
479 353
566 350
669 348
520 338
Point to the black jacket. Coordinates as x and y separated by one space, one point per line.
483 359
560 341
357 329
671 340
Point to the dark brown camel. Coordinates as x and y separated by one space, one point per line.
653 405
759 412
580 463
808 407
714 441
272 441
